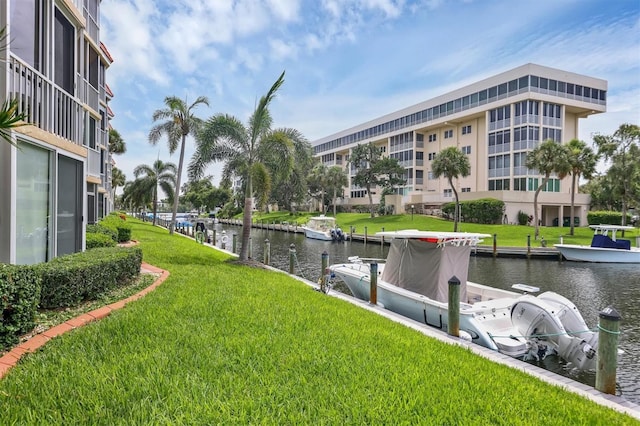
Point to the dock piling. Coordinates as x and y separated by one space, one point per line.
453 328
292 257
325 271
607 361
373 283
267 251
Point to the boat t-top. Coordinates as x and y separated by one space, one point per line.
605 247
413 282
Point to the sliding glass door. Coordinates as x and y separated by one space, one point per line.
70 196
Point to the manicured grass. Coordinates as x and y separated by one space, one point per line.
507 235
223 343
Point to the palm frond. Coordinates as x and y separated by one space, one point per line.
10 118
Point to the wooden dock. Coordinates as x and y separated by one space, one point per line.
550 253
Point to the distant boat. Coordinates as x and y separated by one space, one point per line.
603 248
323 228
414 283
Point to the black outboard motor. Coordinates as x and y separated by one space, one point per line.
337 235
200 226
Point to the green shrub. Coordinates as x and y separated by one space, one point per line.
606 218
119 226
69 280
95 240
524 219
484 210
19 297
98 228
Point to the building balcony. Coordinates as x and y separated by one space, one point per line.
94 163
45 104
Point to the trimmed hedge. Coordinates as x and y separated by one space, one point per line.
19 296
119 226
69 280
97 228
484 210
604 217
95 240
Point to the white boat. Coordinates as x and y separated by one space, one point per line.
323 228
414 283
605 247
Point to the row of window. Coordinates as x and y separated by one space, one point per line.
492 94
524 184
525 108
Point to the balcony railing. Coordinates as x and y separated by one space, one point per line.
47 106
89 94
94 163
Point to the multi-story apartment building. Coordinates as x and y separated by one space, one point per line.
58 178
496 122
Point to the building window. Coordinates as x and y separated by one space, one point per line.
432 137
466 130
64 53
432 156
466 189
499 185
28 31
520 184
358 194
553 134
553 185
448 193
448 134
466 149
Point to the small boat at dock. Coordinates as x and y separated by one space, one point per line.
323 228
605 247
414 280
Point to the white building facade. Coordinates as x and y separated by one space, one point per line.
496 122
58 180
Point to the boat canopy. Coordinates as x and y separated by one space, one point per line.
425 267
321 222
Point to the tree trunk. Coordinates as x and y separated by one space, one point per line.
573 186
535 207
246 222
155 204
334 202
177 192
456 212
370 201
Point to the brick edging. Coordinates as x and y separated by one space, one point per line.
11 358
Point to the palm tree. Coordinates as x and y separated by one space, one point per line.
117 179
10 118
116 143
160 174
452 163
336 181
318 181
133 194
583 161
247 150
180 122
548 157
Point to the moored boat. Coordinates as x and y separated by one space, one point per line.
323 228
605 247
414 280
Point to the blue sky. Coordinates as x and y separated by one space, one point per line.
350 61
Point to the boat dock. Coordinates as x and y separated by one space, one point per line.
550 253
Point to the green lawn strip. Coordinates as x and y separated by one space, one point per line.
223 343
507 235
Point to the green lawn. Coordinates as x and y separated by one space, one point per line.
223 343
506 235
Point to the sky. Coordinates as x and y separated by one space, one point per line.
350 61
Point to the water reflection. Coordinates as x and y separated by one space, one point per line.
592 287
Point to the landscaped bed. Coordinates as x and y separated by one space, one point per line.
222 343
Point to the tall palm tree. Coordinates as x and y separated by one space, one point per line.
134 196
179 123
117 179
336 181
452 163
318 181
159 174
116 143
247 151
548 157
582 160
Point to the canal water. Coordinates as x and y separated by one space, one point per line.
590 286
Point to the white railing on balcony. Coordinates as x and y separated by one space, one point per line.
46 106
94 162
89 95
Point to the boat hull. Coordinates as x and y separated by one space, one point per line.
475 321
318 235
579 253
